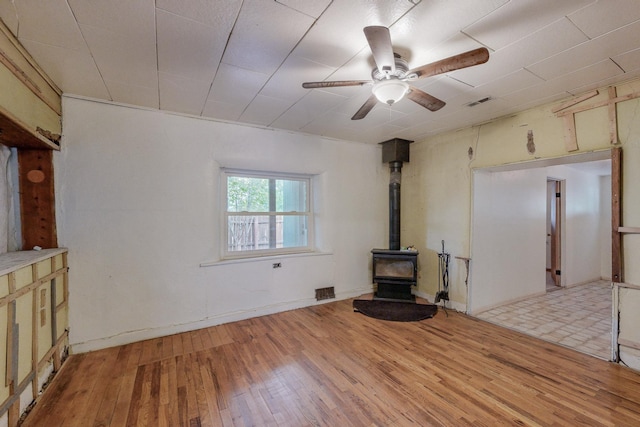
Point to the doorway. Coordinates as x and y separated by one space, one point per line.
513 208
509 228
554 235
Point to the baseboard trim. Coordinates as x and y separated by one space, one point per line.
145 334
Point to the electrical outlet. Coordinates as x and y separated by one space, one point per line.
277 265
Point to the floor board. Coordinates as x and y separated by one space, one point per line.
327 366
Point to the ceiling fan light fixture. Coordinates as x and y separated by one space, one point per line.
390 91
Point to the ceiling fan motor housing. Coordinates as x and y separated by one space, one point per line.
401 70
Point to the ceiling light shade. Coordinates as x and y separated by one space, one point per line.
390 91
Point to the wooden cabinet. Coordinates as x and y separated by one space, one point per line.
33 325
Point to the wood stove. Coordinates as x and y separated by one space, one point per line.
395 270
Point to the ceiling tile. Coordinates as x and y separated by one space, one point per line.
219 14
506 84
306 109
77 74
120 57
609 80
596 50
144 96
535 93
552 39
420 35
286 83
50 22
603 16
183 95
516 19
338 35
588 77
136 18
629 61
263 110
222 110
234 85
261 44
410 120
188 48
521 102
312 8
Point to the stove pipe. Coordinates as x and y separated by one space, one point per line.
395 169
395 152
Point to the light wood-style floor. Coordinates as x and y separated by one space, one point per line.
329 366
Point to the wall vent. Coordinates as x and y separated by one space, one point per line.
479 101
325 293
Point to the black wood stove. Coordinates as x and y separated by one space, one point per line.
394 270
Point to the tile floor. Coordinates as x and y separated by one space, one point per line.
578 317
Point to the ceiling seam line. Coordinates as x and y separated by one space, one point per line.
226 45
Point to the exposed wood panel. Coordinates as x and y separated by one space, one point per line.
37 200
613 119
327 365
574 101
616 212
629 230
570 138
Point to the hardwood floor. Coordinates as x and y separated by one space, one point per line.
329 366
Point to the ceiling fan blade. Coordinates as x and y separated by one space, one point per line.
427 101
456 62
380 43
366 107
337 83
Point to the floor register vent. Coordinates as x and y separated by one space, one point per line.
325 293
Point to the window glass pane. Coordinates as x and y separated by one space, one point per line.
256 194
259 232
247 194
291 196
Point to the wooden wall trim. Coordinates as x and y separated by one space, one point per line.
616 212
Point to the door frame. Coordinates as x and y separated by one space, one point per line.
555 238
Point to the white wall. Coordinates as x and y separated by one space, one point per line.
582 244
139 209
509 233
508 237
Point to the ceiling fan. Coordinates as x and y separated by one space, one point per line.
391 75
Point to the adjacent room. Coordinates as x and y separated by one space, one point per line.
202 201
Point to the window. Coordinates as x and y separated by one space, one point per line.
266 214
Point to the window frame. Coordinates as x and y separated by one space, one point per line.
258 253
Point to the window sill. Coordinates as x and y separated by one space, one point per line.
229 261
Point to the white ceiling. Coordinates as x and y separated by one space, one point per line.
245 60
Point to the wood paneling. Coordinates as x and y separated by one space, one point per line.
327 365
